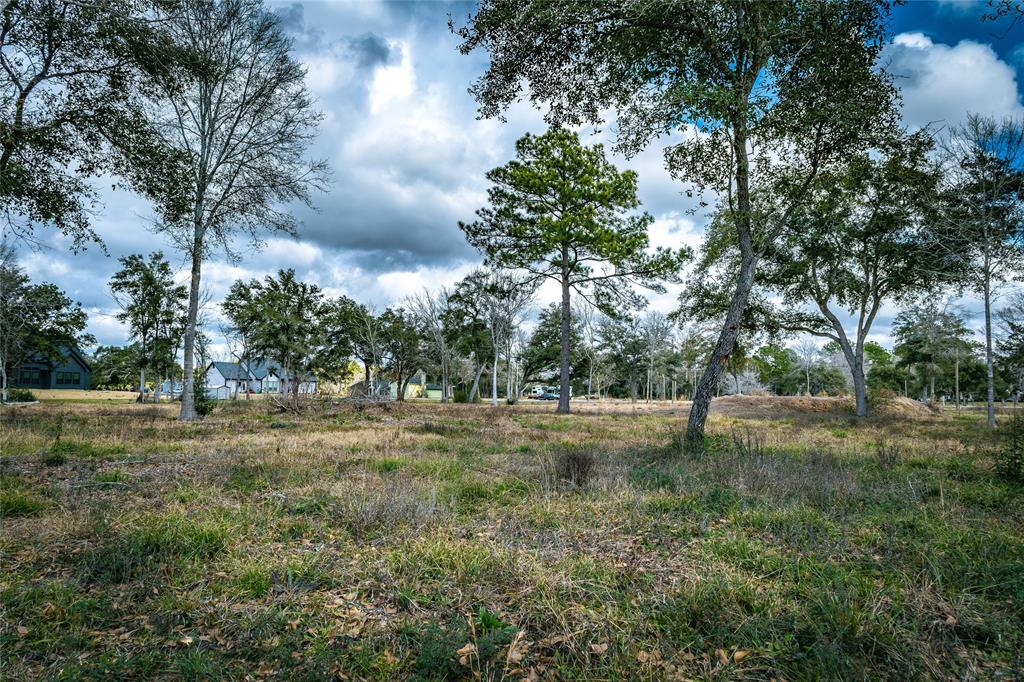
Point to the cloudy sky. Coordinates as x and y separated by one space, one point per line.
408 154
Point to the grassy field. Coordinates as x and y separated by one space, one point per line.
433 542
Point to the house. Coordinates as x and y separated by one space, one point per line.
71 371
432 391
225 380
415 388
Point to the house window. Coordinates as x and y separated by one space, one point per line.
29 376
69 378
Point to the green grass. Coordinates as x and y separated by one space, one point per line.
434 542
18 498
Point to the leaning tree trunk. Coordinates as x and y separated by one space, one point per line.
563 383
188 403
475 388
720 356
709 381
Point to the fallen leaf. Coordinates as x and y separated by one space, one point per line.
643 657
599 648
740 655
950 620
22 630
722 656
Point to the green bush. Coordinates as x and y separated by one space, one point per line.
20 395
203 402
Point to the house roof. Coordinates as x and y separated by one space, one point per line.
67 353
229 370
258 369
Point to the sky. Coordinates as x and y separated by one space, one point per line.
408 154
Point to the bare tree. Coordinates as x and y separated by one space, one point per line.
429 310
656 331
241 119
508 296
809 352
981 234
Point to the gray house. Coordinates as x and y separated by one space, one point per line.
71 371
227 379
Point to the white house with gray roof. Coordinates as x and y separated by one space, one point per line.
226 380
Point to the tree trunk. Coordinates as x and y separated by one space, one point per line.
475 388
563 384
736 380
956 375
444 380
989 369
860 389
142 385
705 389
744 283
590 378
188 405
494 380
3 379
632 391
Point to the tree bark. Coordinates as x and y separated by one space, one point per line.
956 374
142 385
563 384
744 283
188 404
989 369
475 388
494 380
444 380
720 356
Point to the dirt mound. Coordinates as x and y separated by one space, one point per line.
768 406
905 407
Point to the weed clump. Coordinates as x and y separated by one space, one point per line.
887 455
575 467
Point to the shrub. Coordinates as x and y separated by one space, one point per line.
203 402
20 395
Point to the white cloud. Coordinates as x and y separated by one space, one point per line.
392 85
941 83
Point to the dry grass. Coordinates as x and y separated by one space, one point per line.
445 542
